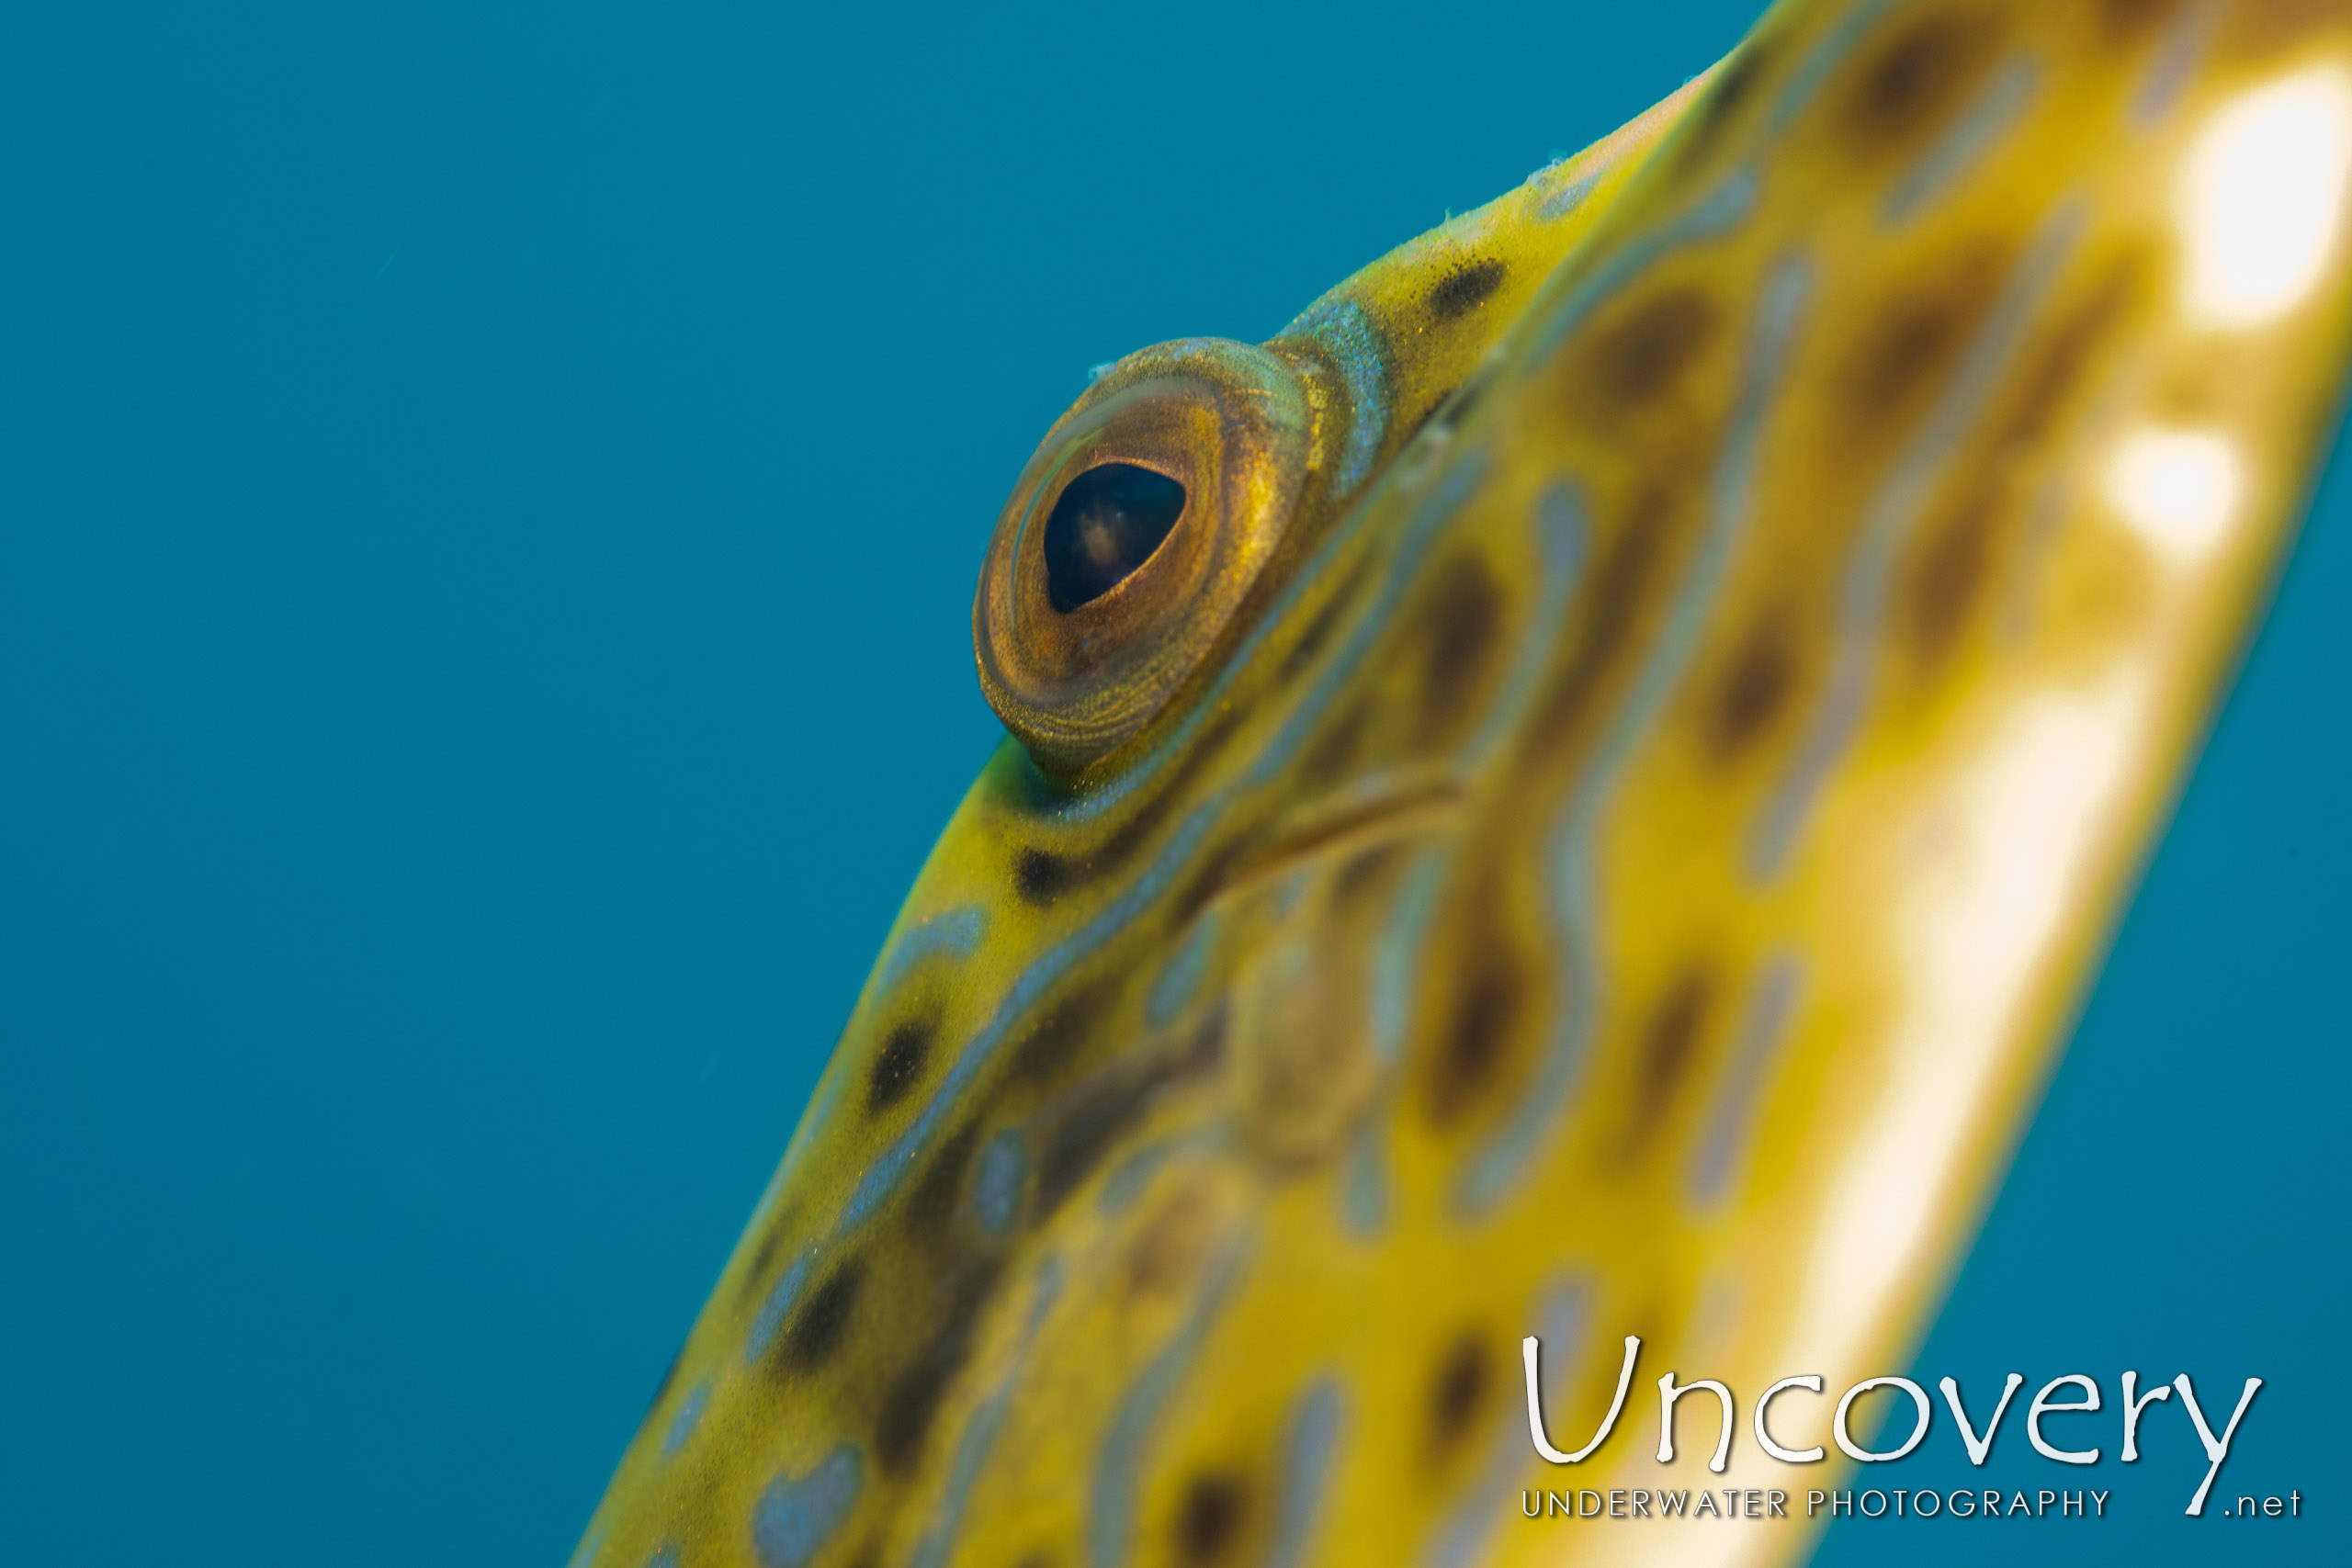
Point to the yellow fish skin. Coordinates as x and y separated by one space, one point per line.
1590 821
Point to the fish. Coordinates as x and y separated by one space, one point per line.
1566 801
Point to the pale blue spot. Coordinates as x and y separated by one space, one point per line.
1131 1175
685 1418
1307 1447
955 932
1179 980
1286 894
1561 529
1727 1129
779 1306
1569 197
997 1185
2176 64
664 1556
1963 142
1886 525
590 1546
1497 1164
1110 1516
1364 1182
797 1514
1403 940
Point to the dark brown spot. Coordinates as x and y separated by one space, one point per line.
1457 1391
897 1064
1364 872
1913 340
1755 689
908 1411
2061 358
1467 288
1952 568
1638 359
932 1200
1471 1052
1039 875
1905 90
1209 1519
912 1403
2122 21
754 1279
1954 565
1669 1042
1458 626
1333 751
2253 28
816 1332
1208 879
1062 1033
1724 98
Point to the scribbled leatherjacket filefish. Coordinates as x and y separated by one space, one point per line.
1571 793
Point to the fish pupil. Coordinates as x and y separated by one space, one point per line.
1108 521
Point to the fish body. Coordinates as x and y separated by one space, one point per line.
1590 820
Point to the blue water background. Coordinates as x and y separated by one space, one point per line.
489 504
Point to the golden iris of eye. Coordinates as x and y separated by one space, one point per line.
1108 521
1128 555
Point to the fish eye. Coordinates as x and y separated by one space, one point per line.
1125 560
1108 521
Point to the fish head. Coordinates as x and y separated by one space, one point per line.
1563 801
